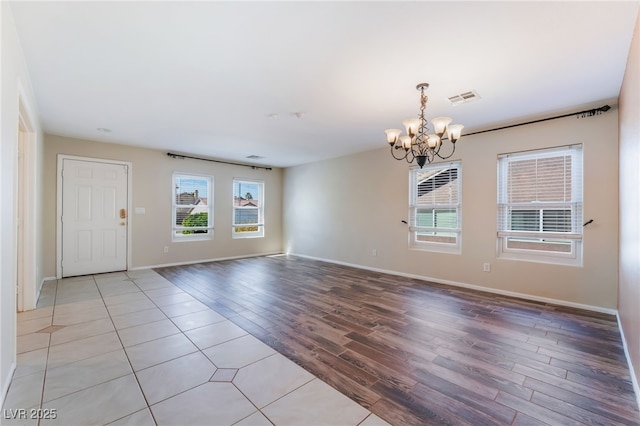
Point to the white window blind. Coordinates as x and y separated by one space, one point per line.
434 210
540 200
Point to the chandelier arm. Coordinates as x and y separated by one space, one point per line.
437 151
394 147
411 155
450 154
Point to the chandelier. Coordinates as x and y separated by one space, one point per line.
418 144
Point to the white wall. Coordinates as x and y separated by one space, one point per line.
629 300
343 208
152 189
14 83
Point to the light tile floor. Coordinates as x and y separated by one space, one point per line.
133 349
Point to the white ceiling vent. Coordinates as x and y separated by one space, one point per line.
255 157
463 98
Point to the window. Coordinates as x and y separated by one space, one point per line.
434 209
540 205
192 207
248 208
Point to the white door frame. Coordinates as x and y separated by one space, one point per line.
26 276
61 158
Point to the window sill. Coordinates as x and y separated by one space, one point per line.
189 239
542 258
437 248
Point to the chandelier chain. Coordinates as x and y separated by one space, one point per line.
420 142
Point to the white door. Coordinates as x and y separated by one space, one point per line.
94 217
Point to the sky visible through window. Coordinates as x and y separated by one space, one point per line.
241 189
192 184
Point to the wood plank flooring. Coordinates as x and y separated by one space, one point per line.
418 353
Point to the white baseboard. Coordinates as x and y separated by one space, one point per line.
44 280
191 262
6 383
634 379
471 286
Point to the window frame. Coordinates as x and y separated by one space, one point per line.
175 229
571 238
415 205
259 233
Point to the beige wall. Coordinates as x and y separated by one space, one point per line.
629 291
152 181
16 90
342 209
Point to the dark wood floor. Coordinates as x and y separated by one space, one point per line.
417 353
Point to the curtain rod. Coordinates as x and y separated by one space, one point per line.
583 114
579 114
182 157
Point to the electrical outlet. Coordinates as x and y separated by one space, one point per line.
374 252
486 267
166 249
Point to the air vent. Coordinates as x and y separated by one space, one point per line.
255 157
463 98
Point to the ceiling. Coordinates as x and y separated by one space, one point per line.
296 82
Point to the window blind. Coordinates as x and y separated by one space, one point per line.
435 204
540 194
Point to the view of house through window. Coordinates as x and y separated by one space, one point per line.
435 207
540 204
192 207
248 208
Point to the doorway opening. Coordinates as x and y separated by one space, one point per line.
27 288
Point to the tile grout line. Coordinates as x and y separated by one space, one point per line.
133 280
180 331
258 410
276 353
314 377
46 364
97 384
203 354
127 355
199 350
